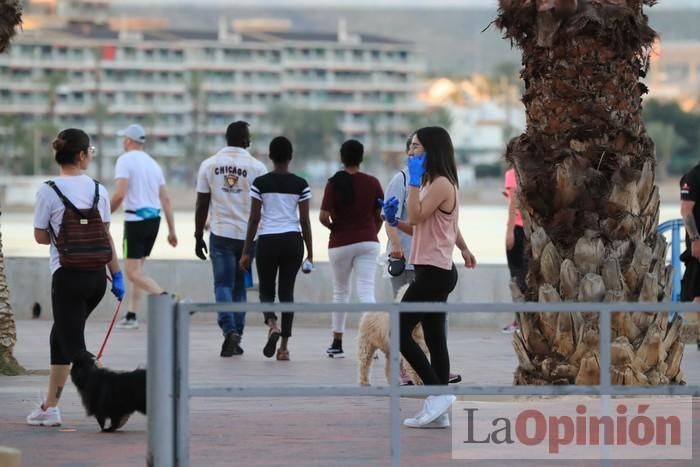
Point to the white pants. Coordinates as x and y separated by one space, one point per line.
362 259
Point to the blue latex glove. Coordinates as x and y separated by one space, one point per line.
389 208
118 285
416 169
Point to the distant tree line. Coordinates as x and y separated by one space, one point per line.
676 135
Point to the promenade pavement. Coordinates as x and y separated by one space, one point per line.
262 432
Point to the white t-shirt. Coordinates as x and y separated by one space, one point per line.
80 190
228 176
398 187
145 179
280 195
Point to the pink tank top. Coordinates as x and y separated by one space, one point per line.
434 240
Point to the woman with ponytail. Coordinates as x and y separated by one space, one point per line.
350 211
66 203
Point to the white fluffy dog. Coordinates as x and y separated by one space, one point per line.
373 335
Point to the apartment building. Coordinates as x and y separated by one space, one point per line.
186 86
675 71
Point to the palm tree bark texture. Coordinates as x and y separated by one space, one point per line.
10 19
585 168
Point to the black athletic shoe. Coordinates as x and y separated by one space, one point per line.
231 345
335 350
455 378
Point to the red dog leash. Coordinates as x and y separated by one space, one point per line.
109 331
111 325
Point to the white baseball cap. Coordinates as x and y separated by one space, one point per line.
134 132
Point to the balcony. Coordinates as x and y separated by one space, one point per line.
54 64
348 85
236 106
143 86
242 86
142 64
14 107
410 66
214 64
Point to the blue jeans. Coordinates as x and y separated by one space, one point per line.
229 281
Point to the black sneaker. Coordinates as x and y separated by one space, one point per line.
231 345
455 378
335 350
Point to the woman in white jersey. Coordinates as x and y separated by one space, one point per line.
433 220
281 199
74 293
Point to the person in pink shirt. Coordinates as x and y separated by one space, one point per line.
515 238
433 222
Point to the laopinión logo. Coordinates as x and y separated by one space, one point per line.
574 428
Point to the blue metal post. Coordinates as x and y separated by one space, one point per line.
674 226
676 260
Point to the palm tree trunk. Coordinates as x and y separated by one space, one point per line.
8 333
585 168
10 18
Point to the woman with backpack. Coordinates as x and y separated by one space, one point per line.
72 215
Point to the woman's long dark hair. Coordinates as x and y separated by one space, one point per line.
440 154
342 183
351 152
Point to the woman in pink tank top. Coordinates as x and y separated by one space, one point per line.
433 215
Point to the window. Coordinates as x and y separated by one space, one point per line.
25 50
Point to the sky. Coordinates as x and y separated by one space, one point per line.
385 3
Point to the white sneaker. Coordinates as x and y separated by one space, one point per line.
127 323
443 421
433 407
49 417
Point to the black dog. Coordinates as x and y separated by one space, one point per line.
108 394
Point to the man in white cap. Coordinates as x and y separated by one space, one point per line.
140 185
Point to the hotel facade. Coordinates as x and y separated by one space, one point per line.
186 86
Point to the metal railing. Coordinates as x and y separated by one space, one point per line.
169 388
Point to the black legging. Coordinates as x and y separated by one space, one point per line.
74 294
432 284
284 253
517 260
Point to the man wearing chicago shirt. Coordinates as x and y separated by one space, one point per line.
223 193
690 211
